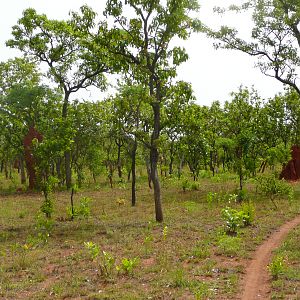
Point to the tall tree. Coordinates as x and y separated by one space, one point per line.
145 44
69 51
275 38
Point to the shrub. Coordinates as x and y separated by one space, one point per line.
274 188
235 219
232 219
127 265
276 267
82 210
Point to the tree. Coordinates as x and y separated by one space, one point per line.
241 122
20 100
145 45
68 49
275 38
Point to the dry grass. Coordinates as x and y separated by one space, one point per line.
182 258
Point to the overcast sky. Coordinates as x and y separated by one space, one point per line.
213 73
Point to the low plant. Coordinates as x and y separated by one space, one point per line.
212 197
165 232
248 213
179 278
147 243
277 266
43 228
238 218
185 184
127 265
82 210
232 219
93 249
105 260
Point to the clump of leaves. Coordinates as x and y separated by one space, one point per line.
47 188
274 188
43 228
93 249
212 197
238 218
82 210
105 259
247 213
127 265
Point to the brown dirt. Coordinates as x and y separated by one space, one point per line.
256 284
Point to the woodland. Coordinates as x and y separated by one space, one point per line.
146 193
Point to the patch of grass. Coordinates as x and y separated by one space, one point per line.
184 258
285 268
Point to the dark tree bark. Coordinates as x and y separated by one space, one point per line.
154 155
133 171
67 153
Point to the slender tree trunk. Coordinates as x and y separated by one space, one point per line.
6 170
67 154
68 169
119 144
148 167
133 165
72 204
10 170
180 165
154 155
171 158
211 162
58 170
22 170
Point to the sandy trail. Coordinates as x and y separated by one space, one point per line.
256 284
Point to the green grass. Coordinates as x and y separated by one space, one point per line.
192 259
286 285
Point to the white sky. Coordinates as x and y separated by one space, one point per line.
213 73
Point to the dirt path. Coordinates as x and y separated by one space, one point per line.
257 281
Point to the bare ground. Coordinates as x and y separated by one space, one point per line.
256 284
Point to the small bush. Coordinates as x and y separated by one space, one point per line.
277 266
83 210
274 188
127 265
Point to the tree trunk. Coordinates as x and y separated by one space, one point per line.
171 158
153 162
180 165
119 144
58 170
22 170
133 164
68 169
148 173
67 154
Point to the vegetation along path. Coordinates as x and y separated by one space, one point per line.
256 283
